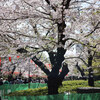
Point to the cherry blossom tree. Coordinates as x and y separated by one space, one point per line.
33 28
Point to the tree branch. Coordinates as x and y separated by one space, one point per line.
16 32
22 17
48 2
82 1
43 12
41 65
22 50
65 71
13 69
96 27
67 4
86 45
78 58
28 3
81 71
52 6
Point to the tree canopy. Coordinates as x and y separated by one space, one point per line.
32 27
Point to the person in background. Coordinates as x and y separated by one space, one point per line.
6 81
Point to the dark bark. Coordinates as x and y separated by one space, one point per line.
20 74
81 71
53 84
21 50
13 70
67 4
64 72
54 80
41 65
48 2
10 76
90 77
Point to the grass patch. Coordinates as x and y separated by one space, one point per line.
97 83
67 86
71 86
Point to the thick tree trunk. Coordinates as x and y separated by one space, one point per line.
90 78
54 81
53 85
91 81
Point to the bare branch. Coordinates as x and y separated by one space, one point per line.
28 3
78 58
43 12
22 17
86 45
11 37
82 1
96 27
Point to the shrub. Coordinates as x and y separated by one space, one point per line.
67 86
30 92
